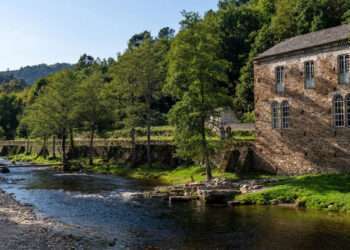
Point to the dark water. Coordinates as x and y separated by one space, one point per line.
105 204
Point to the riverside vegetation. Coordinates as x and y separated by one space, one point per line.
324 192
178 80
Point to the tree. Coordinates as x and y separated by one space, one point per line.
138 76
126 93
150 76
137 39
197 77
92 109
52 111
11 108
166 33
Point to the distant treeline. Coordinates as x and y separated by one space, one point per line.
30 74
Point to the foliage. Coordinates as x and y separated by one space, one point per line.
207 65
91 109
248 117
13 86
180 175
197 78
326 192
11 109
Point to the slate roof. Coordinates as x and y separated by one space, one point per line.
310 40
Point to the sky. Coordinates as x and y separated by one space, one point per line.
51 31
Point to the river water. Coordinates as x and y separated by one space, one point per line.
106 205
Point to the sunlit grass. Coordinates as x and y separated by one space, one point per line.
31 158
325 192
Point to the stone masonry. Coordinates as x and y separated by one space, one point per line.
311 143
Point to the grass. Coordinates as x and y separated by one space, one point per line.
180 175
33 159
324 192
166 134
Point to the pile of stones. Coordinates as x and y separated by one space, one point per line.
218 191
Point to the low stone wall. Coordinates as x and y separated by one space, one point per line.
233 157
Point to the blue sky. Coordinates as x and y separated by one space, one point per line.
50 31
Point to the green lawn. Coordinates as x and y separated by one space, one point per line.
325 192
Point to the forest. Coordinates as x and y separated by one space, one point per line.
171 78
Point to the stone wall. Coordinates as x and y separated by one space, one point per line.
310 144
233 157
118 152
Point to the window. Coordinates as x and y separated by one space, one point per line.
309 75
347 105
280 79
338 111
343 65
274 112
285 115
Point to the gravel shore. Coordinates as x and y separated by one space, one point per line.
20 228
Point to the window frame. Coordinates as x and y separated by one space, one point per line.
344 69
309 74
275 115
347 110
285 115
279 79
338 111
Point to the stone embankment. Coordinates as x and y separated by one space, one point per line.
219 191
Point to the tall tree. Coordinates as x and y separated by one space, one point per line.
139 74
126 92
197 77
52 111
92 109
11 109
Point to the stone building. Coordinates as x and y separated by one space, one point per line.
302 101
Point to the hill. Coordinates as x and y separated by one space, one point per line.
32 73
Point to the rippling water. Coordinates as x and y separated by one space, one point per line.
109 205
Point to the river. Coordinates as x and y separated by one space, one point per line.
106 205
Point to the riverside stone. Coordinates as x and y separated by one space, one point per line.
173 199
216 196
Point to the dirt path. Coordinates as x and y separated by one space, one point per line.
20 228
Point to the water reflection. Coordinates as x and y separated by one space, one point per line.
108 205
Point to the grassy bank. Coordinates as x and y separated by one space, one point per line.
325 192
33 159
180 175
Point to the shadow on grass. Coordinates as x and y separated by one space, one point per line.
320 183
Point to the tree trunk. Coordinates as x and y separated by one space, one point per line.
91 146
64 153
54 146
44 152
206 160
149 153
27 146
133 147
71 140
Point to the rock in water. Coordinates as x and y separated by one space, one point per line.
4 170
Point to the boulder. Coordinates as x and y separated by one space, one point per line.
234 203
4 170
173 199
217 196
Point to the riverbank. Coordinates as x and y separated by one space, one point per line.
156 173
33 159
322 192
20 228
